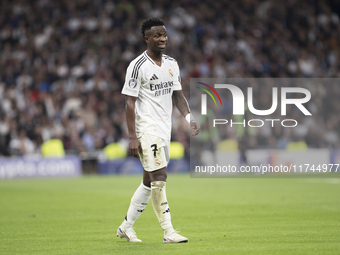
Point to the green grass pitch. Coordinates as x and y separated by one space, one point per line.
219 216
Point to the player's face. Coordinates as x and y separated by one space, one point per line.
156 38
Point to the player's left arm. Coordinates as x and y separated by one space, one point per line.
182 105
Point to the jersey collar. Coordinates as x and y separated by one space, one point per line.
147 56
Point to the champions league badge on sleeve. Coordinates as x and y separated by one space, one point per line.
132 83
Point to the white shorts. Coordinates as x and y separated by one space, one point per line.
156 152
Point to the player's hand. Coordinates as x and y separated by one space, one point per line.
134 147
195 127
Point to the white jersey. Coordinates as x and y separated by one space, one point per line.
153 86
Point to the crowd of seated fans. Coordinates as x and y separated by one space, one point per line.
63 63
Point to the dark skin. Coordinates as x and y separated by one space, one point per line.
156 40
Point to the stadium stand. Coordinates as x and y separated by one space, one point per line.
62 63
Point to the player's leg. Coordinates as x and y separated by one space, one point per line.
159 200
139 200
141 196
160 205
156 175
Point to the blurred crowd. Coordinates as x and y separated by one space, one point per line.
63 63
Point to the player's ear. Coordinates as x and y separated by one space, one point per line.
146 39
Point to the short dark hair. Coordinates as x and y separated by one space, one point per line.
150 22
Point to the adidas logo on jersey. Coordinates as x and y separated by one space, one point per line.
154 77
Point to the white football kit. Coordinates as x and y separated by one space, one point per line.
153 86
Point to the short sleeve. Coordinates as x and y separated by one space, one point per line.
132 81
177 82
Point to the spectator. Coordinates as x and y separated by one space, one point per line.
21 145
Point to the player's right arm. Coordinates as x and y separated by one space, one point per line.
131 91
134 144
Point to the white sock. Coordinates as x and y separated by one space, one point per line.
138 203
160 205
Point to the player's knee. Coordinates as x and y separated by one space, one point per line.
147 183
162 177
146 179
158 175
